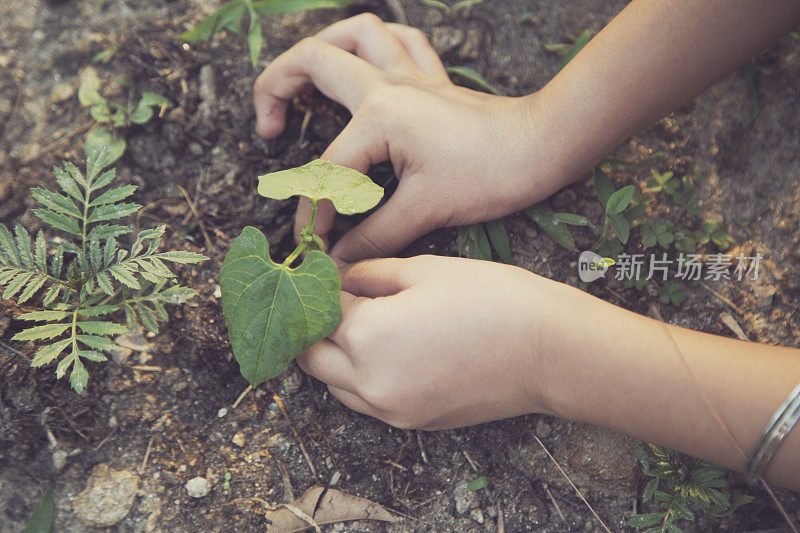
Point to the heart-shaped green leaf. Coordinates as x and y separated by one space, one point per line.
350 191
274 312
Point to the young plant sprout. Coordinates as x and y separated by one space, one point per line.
274 311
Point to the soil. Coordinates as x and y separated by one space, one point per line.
206 144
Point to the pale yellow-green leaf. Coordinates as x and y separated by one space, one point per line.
350 191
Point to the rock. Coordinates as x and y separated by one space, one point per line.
134 341
59 459
198 487
108 496
222 412
600 459
446 38
433 16
62 92
465 498
473 44
120 354
238 439
292 380
477 515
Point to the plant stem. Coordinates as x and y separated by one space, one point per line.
604 235
305 236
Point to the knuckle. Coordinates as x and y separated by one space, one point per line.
357 337
380 97
308 46
381 397
368 19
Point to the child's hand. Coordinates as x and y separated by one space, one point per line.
461 156
436 342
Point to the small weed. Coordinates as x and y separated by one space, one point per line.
229 16
113 119
680 486
87 275
478 483
41 519
448 9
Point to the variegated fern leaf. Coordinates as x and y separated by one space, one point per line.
84 281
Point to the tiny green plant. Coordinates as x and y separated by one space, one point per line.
41 518
629 220
113 119
86 279
276 311
229 16
679 487
448 9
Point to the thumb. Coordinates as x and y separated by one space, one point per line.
375 278
395 225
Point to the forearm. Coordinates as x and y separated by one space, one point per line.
704 395
652 58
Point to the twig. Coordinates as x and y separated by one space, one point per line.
241 397
50 437
143 466
553 500
102 442
501 523
472 463
303 127
147 368
722 298
206 238
279 402
303 516
395 464
779 505
288 490
421 448
15 352
577 491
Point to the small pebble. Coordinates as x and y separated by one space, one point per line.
238 439
59 459
198 487
477 515
222 412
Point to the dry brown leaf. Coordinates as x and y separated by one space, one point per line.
336 506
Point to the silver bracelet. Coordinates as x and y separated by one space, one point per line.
776 431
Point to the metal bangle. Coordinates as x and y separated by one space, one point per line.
776 431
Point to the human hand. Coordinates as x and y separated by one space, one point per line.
435 342
461 156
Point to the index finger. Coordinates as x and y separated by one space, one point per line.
338 74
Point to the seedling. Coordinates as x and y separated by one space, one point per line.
480 239
113 119
87 275
679 485
276 311
229 16
461 4
41 518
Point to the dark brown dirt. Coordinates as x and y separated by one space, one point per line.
216 157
